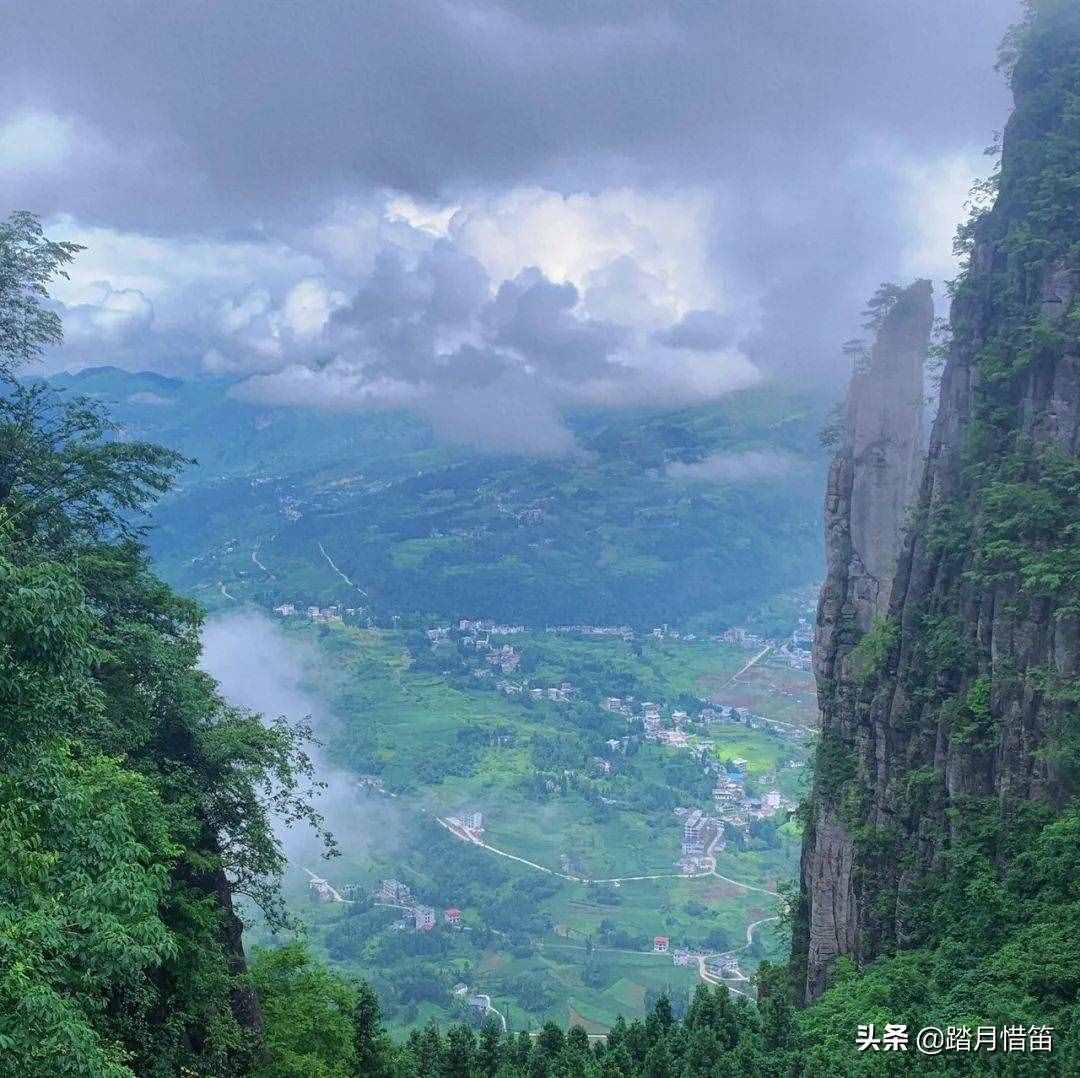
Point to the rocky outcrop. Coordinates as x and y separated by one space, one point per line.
874 476
872 482
945 720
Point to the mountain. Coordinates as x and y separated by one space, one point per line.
702 517
941 830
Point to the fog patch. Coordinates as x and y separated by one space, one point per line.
257 666
746 466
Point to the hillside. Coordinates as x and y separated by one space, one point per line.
570 787
702 517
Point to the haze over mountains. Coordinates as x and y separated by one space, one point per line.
705 516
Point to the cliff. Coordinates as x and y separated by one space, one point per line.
949 722
874 476
872 481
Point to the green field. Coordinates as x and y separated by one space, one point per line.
442 741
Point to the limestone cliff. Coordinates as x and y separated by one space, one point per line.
951 723
874 475
872 481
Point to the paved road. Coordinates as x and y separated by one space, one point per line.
330 562
760 655
467 836
255 559
491 1009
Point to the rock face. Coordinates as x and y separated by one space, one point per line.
872 481
955 717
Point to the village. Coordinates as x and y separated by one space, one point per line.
704 832
476 634
743 798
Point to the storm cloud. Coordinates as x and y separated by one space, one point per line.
581 202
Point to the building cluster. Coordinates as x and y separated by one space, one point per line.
742 638
735 807
623 631
394 892
484 627
797 658
562 693
680 956
703 836
471 821
316 613
479 1005
664 632
651 716
505 658
419 917
722 713
320 890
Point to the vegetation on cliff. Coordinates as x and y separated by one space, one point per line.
956 715
133 801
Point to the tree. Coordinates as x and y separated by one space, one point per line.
371 1045
28 263
137 803
307 1016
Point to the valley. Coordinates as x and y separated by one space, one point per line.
605 822
602 662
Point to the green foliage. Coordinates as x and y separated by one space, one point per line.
132 799
834 766
28 262
84 856
880 304
628 533
307 1017
1031 530
871 653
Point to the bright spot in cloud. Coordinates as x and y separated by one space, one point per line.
35 142
934 202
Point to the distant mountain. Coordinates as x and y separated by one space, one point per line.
700 516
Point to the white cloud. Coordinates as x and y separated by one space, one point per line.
309 305
35 142
491 319
422 216
747 466
936 192
579 238
108 316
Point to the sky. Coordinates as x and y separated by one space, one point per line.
493 213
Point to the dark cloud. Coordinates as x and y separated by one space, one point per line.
529 356
251 103
809 120
535 316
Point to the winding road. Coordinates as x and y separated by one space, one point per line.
715 979
255 559
465 835
330 562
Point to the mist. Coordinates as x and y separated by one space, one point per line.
257 666
747 466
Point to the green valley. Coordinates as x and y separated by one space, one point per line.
583 762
